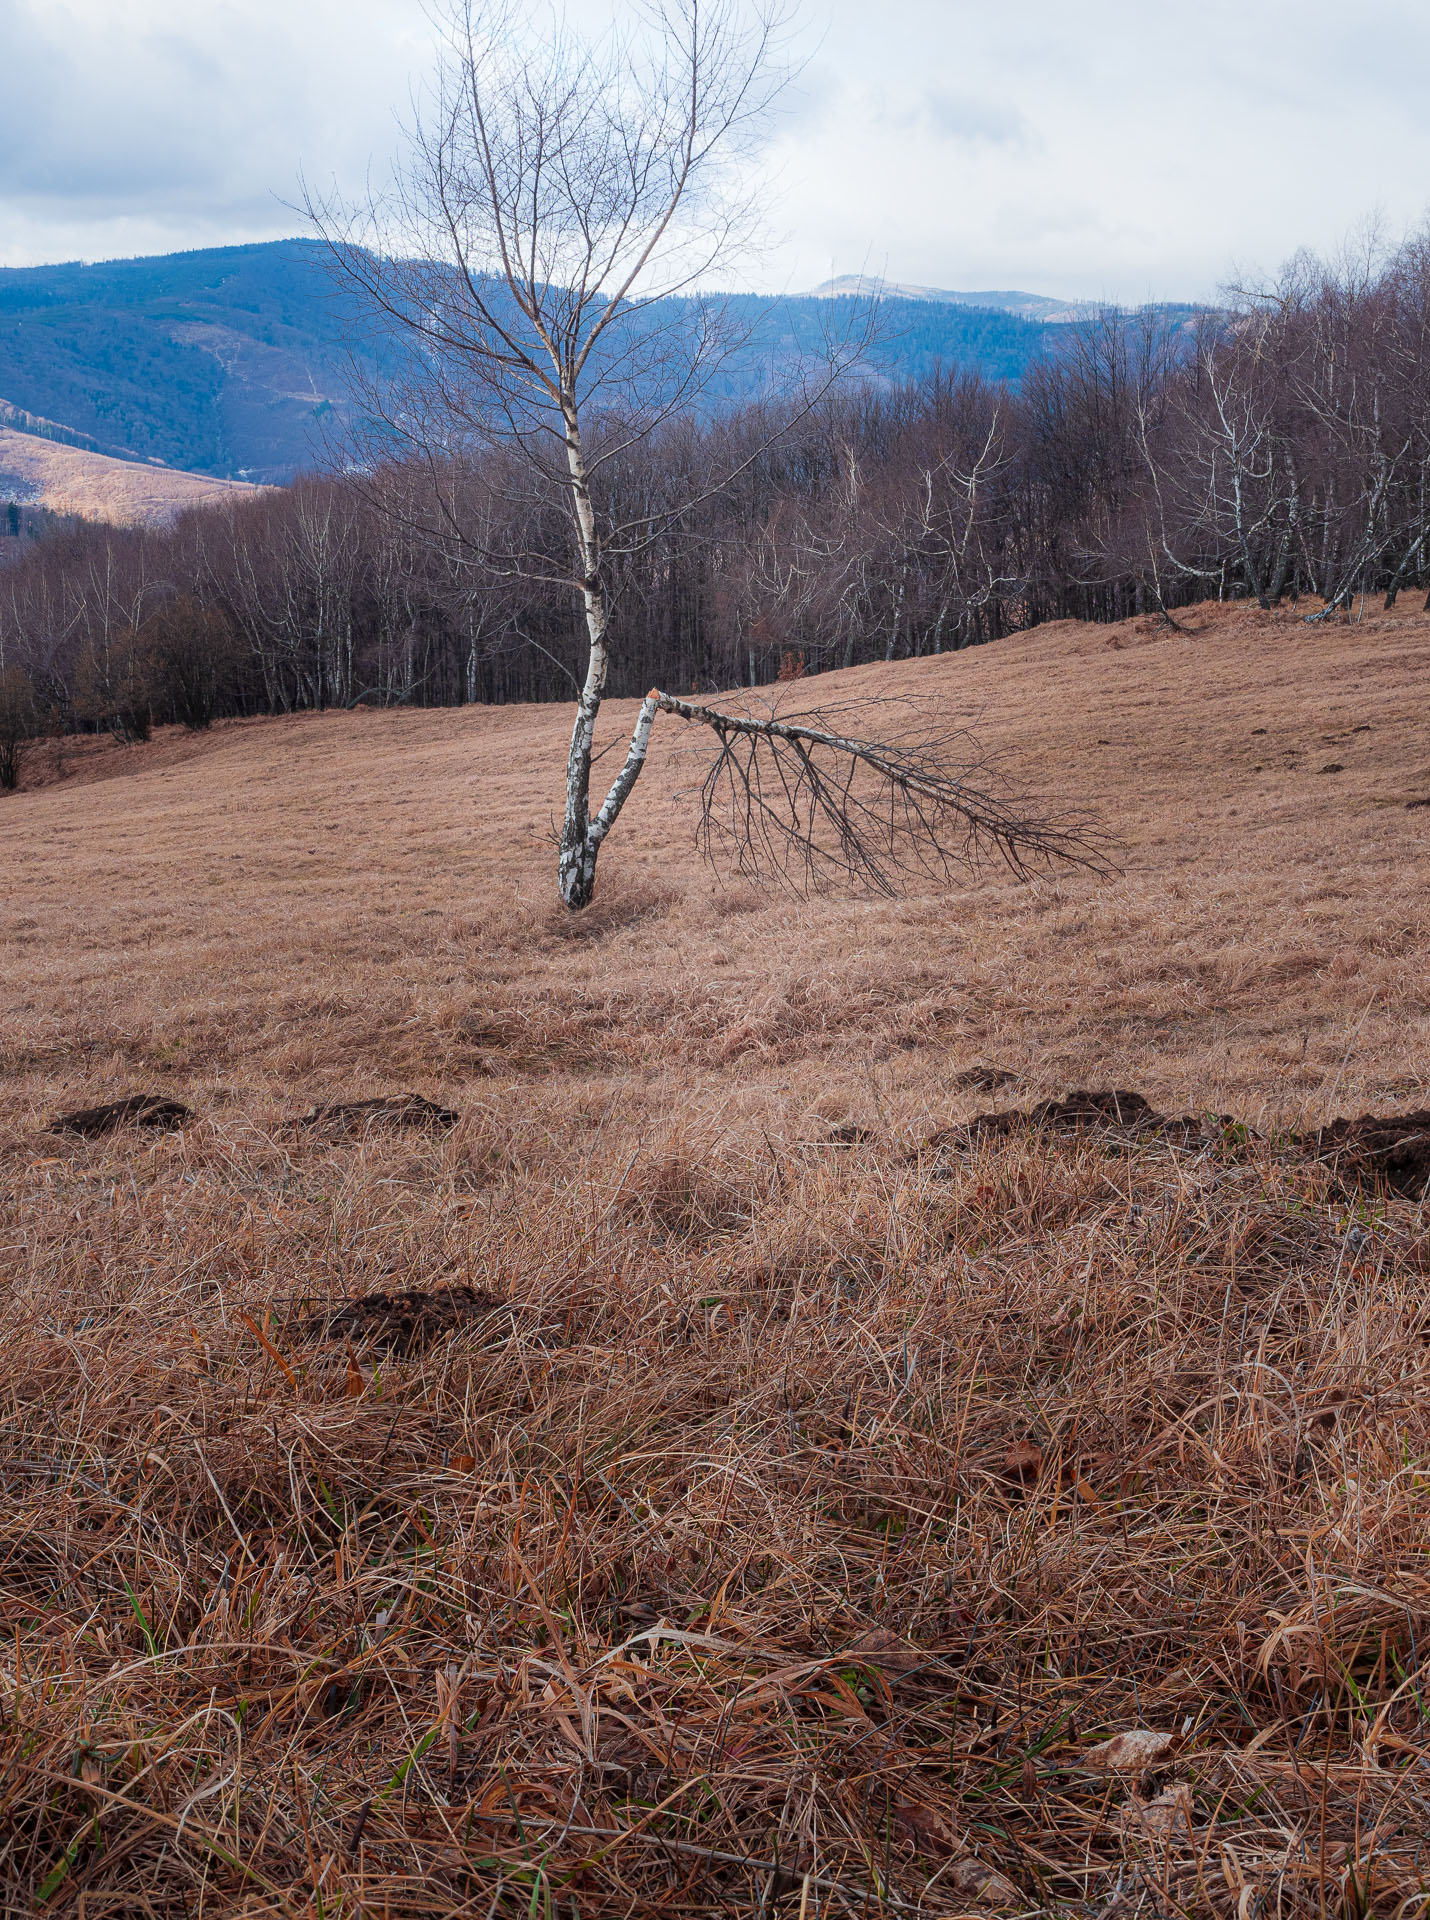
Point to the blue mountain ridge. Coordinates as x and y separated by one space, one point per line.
234 361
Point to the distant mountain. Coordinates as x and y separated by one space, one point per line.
1028 306
232 362
1039 308
223 362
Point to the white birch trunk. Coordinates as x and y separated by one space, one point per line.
581 835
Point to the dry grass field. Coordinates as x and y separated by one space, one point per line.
128 492
804 1494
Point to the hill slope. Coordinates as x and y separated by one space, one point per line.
694 1472
1262 897
231 361
41 472
222 361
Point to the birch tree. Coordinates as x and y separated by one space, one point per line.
542 267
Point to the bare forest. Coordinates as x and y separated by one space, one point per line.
1276 452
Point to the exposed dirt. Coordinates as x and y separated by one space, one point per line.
409 1320
136 1110
1392 1147
1100 1110
387 1110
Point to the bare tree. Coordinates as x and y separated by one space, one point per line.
19 722
543 262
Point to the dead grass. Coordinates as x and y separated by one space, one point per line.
829 1499
97 487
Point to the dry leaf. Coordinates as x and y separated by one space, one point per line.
1138 1751
356 1384
926 1827
973 1881
1023 1460
880 1648
1167 1817
461 1462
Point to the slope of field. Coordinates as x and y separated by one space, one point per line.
805 1494
45 473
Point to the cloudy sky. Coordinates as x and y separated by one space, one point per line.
1123 148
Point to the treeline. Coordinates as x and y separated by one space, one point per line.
1281 450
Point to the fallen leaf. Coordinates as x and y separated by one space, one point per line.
268 1346
1165 1818
1138 1751
1023 1460
926 1827
887 1651
973 1881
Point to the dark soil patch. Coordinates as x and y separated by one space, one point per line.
391 1110
138 1110
407 1321
984 1079
1391 1147
1113 1110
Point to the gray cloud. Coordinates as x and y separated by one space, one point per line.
1115 149
186 124
970 121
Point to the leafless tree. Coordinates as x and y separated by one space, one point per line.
18 723
543 261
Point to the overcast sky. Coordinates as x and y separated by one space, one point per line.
1130 149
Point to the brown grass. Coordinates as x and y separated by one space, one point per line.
829 1498
127 492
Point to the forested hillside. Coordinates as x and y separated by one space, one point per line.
1142 467
220 361
234 360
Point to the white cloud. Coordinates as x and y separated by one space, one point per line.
1128 148
968 121
155 123
1160 142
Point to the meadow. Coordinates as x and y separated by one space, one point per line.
783 1498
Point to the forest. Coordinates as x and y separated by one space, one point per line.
1277 450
